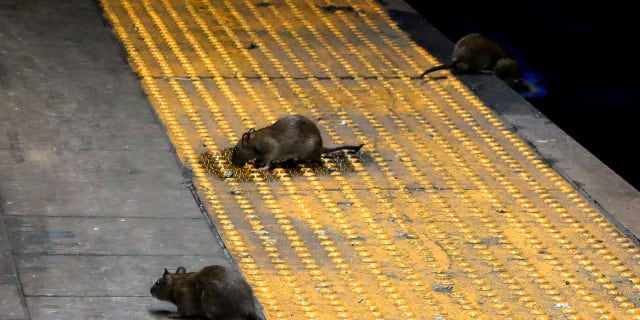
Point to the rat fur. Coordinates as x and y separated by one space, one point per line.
477 53
215 292
290 137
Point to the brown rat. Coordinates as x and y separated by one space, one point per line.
215 292
477 53
291 137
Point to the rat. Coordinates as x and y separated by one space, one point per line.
477 53
290 137
215 292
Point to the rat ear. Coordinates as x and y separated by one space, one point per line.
245 137
166 277
181 270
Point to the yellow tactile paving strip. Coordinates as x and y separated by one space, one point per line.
445 214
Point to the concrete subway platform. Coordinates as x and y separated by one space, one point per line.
453 209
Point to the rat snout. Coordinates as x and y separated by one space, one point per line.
240 156
235 159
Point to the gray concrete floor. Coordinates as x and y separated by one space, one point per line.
93 200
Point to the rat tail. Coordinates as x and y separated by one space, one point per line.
436 68
342 147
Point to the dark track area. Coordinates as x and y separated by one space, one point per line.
580 57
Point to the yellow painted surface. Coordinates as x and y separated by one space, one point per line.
444 214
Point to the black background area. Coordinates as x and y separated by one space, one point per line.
581 56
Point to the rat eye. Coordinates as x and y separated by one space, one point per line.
235 149
158 282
